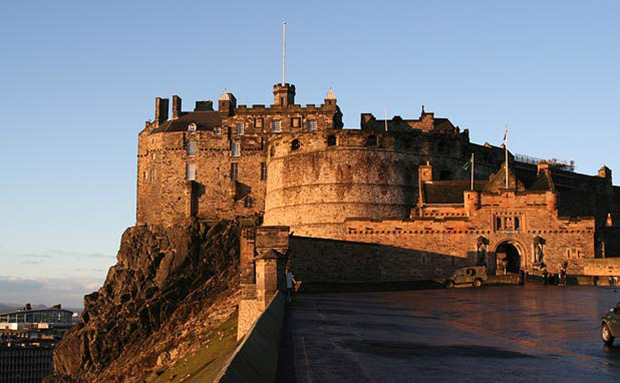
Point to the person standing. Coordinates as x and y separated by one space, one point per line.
290 284
545 276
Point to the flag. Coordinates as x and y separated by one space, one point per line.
506 134
467 165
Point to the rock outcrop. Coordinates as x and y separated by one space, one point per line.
169 288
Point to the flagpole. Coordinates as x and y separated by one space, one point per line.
386 119
472 171
283 53
506 154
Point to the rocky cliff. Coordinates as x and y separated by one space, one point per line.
169 289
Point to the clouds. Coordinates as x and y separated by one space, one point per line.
48 291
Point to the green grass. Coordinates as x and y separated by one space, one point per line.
203 365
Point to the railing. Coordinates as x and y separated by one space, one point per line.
553 162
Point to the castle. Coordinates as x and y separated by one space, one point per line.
390 201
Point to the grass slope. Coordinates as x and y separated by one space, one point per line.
203 365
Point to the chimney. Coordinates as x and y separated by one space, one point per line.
176 106
161 110
28 307
605 173
227 104
543 166
203 106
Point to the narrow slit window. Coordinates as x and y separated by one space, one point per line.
240 128
263 171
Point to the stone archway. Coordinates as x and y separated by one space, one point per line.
509 257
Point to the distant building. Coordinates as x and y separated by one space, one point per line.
27 338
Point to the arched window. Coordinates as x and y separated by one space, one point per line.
331 140
295 145
371 140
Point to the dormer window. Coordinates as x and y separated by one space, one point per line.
311 125
217 130
191 128
240 128
276 126
235 149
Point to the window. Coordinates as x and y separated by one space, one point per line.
190 172
235 149
295 122
249 202
331 140
234 171
240 128
153 156
276 126
295 145
217 130
145 175
311 125
263 171
191 148
259 122
153 175
498 223
191 128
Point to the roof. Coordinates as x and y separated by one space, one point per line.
445 192
204 120
33 311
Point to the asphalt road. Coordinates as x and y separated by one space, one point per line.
505 333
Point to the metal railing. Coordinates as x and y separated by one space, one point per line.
554 162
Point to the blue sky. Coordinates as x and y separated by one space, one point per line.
79 79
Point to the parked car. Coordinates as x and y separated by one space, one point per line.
611 325
474 275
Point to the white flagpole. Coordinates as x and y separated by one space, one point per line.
386 119
472 171
283 52
506 154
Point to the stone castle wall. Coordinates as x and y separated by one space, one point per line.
458 234
317 180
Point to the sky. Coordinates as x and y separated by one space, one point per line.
78 80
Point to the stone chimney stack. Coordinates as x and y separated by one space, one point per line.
605 173
161 110
227 104
176 106
283 94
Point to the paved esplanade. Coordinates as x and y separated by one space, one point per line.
510 333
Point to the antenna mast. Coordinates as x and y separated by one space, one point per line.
283 52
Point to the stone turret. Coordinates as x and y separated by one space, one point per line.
284 94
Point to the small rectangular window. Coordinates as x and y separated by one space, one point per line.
276 126
259 122
191 148
153 175
235 149
240 128
190 172
295 122
217 130
263 171
234 171
311 125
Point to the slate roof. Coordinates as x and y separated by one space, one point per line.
204 120
449 191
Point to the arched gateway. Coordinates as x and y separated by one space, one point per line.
508 257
